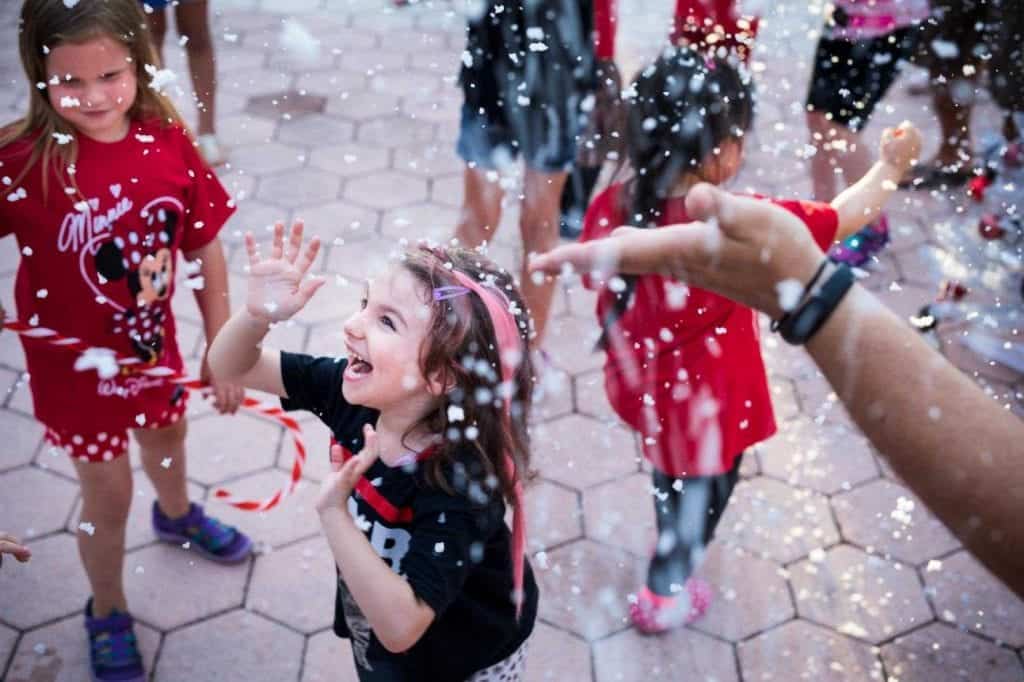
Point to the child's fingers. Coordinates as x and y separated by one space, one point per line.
295 241
277 251
337 457
309 255
252 249
370 452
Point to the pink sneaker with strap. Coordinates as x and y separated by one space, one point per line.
655 613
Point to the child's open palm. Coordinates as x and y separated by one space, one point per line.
276 287
338 485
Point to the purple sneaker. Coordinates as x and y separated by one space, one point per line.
856 249
205 534
113 650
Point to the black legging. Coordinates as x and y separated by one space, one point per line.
686 522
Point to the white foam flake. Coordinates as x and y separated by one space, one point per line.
298 42
789 292
103 360
87 528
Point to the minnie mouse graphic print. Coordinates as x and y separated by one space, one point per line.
98 254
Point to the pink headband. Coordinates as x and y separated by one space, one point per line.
510 350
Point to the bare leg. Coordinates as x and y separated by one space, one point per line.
106 499
838 147
156 445
481 209
193 22
954 120
538 225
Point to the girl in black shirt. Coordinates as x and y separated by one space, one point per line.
433 396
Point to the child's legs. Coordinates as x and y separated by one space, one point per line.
156 445
192 20
538 225
106 499
481 208
686 523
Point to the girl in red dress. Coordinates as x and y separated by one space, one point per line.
103 189
684 366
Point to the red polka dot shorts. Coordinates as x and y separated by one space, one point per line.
106 446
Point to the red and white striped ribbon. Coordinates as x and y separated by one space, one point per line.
136 366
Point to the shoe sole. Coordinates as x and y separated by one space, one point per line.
239 555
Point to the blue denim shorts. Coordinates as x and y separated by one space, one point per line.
544 137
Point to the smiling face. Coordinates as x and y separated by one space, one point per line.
384 340
92 85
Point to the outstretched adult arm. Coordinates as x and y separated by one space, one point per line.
958 450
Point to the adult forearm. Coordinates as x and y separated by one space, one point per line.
236 347
959 451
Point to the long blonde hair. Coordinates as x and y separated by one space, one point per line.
44 25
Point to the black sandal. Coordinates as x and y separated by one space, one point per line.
937 177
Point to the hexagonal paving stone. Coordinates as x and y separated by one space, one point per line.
580 452
858 594
677 655
885 517
314 130
414 84
339 223
570 341
252 216
827 457
386 189
819 401
427 221
318 439
223 649
22 438
751 594
591 398
942 652
168 586
60 652
8 637
140 528
621 513
556 655
769 517
364 106
966 594
271 157
553 397
398 131
553 515
332 83
802 651
293 519
35 502
428 160
922 265
222 447
448 190
54 571
244 129
329 659
295 585
370 258
293 103
586 586
297 188
349 159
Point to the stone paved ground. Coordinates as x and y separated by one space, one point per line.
815 577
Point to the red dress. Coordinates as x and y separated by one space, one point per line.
100 265
686 370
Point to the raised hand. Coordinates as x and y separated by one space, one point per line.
901 146
277 289
338 485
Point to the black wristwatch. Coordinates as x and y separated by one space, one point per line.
799 325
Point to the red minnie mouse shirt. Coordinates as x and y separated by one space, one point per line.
687 373
99 266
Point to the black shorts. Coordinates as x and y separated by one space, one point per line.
851 76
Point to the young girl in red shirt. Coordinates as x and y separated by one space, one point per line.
104 187
684 365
